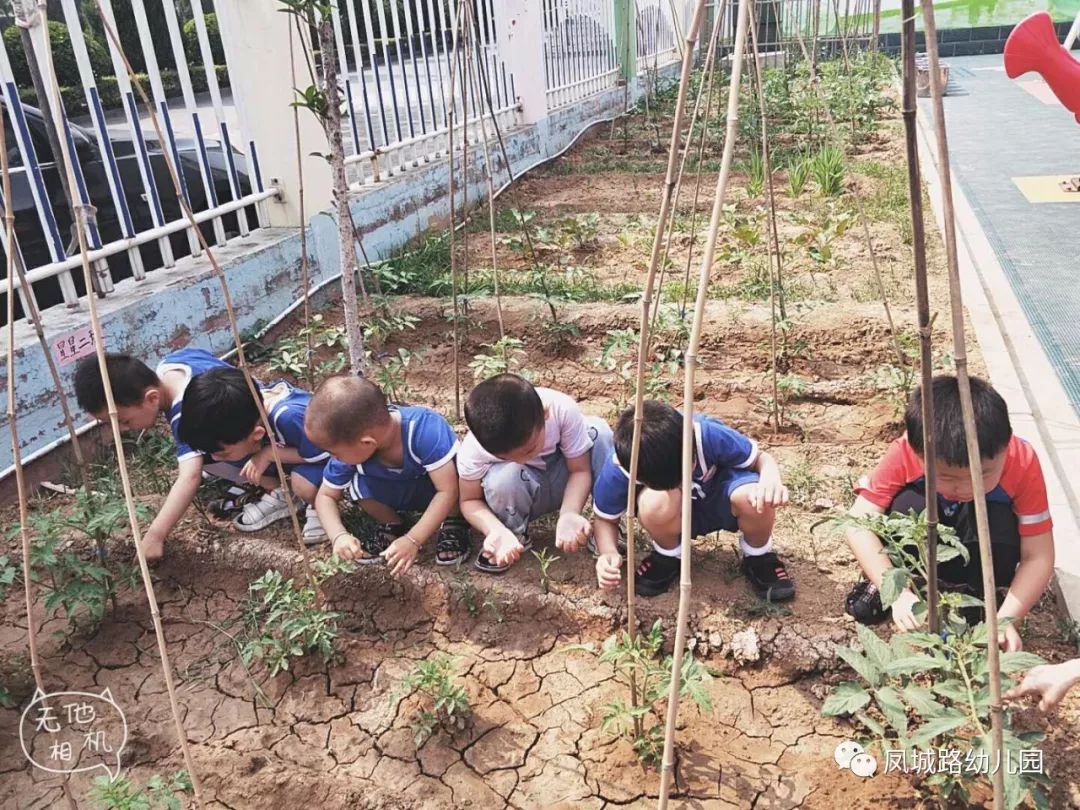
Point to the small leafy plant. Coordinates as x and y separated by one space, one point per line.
927 692
123 794
755 183
798 174
545 559
284 621
476 600
638 659
504 355
391 372
444 703
827 169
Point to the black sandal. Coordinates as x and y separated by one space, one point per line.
452 544
488 566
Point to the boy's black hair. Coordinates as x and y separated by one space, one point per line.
343 408
660 459
991 420
503 413
129 376
218 410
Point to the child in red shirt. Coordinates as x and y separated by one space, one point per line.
1021 531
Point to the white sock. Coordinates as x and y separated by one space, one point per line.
669 552
754 551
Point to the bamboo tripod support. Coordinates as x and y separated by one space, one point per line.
956 304
922 299
129 499
453 211
708 255
707 69
646 301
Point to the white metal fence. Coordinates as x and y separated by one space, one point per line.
579 49
397 57
136 221
658 38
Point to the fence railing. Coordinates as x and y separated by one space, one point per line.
136 224
658 41
579 49
397 57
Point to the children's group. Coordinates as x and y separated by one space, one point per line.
531 452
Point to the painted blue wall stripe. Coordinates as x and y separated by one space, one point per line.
34 171
255 166
204 158
226 145
126 225
175 151
144 158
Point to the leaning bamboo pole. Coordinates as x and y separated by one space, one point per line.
706 76
451 116
473 60
773 248
668 762
129 497
956 303
922 301
230 311
16 453
646 302
305 275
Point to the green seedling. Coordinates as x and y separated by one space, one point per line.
444 704
545 559
122 793
283 620
503 356
637 660
798 174
755 184
391 372
827 169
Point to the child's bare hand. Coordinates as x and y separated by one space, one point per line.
347 547
769 491
1009 639
1049 683
903 613
609 571
256 466
502 547
153 546
401 555
571 532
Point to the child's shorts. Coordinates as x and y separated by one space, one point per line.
712 513
410 495
230 470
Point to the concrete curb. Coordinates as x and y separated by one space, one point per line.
1018 366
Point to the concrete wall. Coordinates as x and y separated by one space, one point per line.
183 306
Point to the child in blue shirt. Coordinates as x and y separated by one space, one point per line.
222 420
736 487
390 459
141 395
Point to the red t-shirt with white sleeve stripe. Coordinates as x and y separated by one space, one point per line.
1021 486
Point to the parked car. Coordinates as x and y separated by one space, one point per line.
28 228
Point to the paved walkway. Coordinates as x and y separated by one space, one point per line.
1001 129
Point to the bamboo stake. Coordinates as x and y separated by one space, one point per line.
706 76
129 499
451 116
960 350
226 298
646 301
309 370
922 298
460 31
666 769
20 483
697 180
774 247
472 66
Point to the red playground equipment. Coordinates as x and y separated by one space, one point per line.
1033 45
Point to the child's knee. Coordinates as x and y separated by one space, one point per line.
507 486
659 510
303 488
746 513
